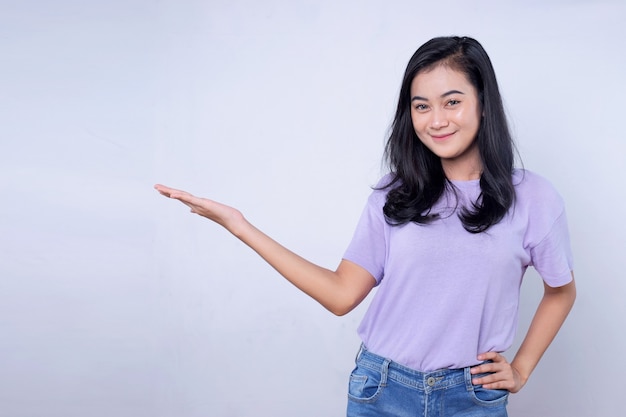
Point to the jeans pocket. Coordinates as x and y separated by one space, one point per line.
365 385
489 397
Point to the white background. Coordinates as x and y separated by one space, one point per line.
116 302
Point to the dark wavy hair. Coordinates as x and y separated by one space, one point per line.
417 176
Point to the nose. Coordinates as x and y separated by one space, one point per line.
438 119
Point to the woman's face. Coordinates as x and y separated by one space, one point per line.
446 115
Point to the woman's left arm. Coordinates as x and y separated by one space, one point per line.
550 315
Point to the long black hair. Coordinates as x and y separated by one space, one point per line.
418 179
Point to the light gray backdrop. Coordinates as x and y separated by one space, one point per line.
116 302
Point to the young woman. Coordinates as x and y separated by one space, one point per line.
446 236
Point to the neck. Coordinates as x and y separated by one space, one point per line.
457 173
466 167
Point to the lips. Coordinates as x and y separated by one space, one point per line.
440 137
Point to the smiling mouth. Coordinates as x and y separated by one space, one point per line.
442 137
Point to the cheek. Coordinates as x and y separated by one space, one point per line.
462 115
419 129
417 122
468 117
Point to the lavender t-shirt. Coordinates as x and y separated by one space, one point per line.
444 294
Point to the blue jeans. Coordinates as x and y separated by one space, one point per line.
380 387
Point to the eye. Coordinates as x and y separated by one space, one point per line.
453 102
421 107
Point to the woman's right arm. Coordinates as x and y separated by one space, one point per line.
339 291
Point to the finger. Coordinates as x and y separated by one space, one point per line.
189 199
484 368
180 195
490 356
496 367
163 190
498 385
169 191
494 380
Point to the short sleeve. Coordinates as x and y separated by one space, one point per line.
368 246
552 256
546 238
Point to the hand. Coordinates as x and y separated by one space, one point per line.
502 375
212 210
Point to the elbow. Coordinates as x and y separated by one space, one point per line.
340 310
342 307
348 294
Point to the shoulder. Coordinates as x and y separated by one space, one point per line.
532 187
386 182
537 198
381 189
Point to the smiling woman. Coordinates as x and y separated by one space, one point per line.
447 236
446 116
481 146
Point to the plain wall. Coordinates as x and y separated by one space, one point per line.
115 301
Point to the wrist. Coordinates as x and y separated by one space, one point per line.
521 374
238 226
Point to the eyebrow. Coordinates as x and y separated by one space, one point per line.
442 96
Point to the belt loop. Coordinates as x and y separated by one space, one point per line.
358 354
384 370
468 379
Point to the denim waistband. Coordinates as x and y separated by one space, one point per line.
425 381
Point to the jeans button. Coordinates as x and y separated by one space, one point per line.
430 381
